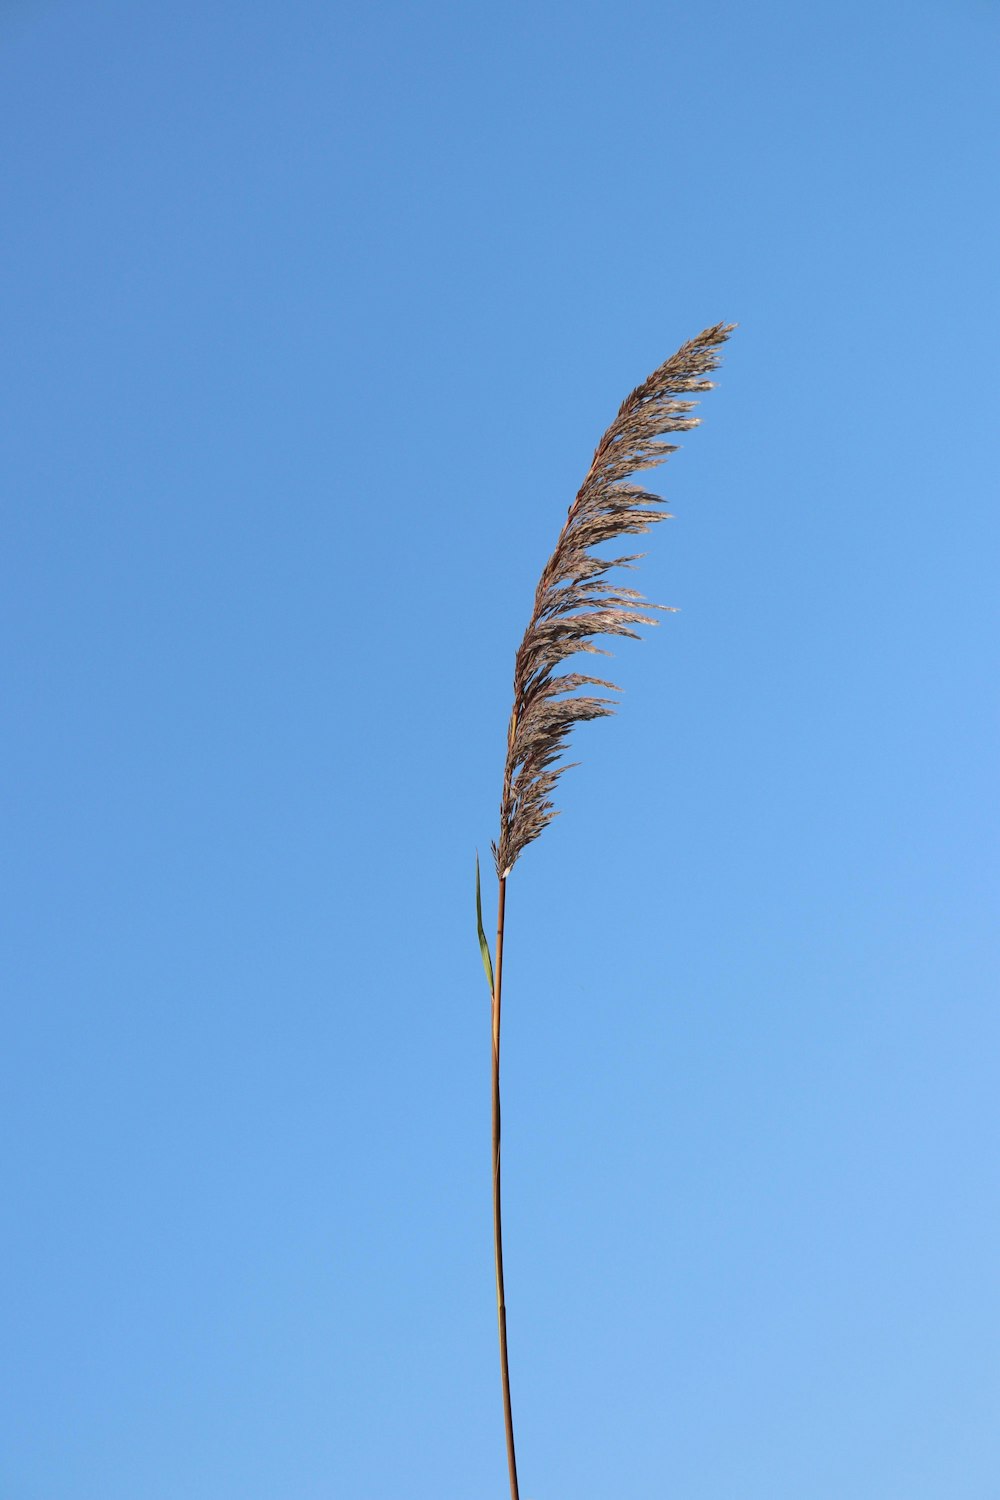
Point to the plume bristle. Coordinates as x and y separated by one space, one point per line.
574 602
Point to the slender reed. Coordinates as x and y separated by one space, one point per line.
574 603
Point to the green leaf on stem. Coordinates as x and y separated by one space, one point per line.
484 946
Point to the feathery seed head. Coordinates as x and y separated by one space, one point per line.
574 601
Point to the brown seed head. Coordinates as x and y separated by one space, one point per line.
575 602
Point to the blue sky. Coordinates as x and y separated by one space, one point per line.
312 316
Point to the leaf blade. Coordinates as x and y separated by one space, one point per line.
484 946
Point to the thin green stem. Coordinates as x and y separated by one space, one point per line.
497 1232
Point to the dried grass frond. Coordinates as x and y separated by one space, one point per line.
575 602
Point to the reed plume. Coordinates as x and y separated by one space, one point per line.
576 603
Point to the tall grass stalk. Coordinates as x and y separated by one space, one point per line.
574 603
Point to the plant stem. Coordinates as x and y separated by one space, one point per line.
497 1232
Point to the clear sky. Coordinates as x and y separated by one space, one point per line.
311 316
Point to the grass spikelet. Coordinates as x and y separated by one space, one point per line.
575 602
